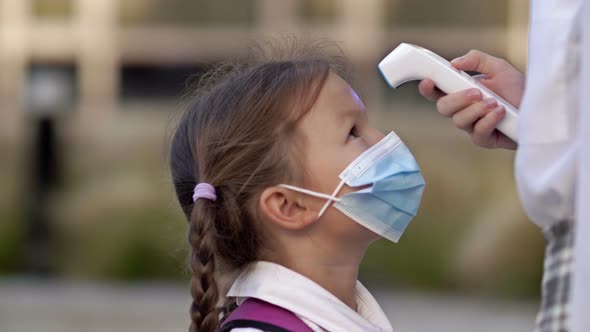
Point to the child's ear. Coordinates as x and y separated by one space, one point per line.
286 208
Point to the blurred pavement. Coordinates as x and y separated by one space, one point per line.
67 306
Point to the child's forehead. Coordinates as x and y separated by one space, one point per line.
338 97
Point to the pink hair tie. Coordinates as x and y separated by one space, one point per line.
204 190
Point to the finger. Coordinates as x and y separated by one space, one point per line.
482 131
466 118
450 104
426 89
480 77
429 90
480 62
505 142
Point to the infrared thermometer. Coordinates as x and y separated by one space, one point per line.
410 62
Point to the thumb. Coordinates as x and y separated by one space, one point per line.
480 62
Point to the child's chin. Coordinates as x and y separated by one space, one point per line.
368 235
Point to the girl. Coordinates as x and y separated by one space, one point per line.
254 160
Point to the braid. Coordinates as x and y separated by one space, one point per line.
204 313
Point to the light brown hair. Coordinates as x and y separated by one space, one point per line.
238 135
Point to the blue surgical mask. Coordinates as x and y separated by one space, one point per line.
392 200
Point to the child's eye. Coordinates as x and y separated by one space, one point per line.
353 133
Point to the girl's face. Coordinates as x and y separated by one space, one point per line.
335 131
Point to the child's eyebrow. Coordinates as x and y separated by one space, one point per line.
351 113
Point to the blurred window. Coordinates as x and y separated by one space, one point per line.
187 12
141 82
318 11
52 8
51 88
447 13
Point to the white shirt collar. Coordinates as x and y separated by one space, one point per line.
288 289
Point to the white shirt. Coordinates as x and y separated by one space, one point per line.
314 305
546 159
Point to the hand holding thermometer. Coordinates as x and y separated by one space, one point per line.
410 62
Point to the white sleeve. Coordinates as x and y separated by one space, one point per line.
546 159
246 329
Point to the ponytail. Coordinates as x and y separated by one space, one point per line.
204 312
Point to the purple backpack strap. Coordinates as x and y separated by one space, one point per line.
264 316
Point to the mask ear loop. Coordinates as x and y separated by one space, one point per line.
330 198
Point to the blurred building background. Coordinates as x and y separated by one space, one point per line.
90 90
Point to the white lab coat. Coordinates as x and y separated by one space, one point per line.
551 127
546 159
313 304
